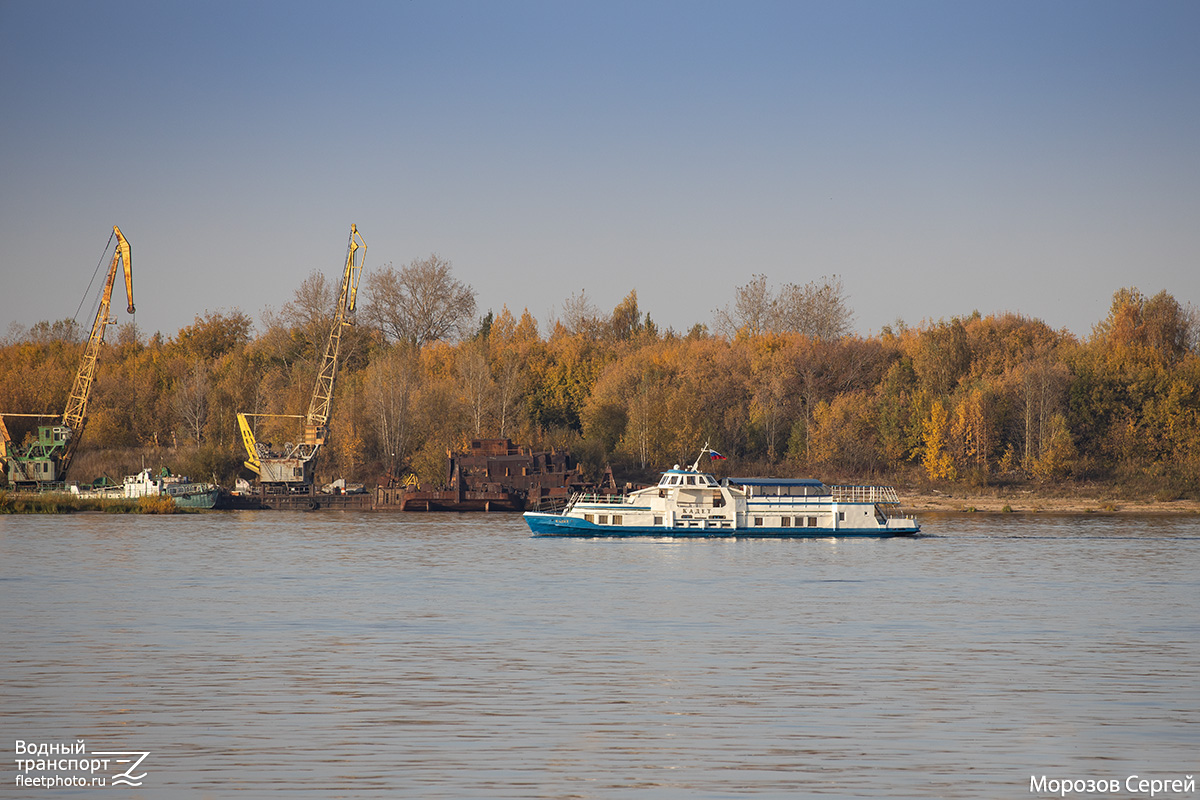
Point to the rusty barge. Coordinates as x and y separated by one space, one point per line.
493 475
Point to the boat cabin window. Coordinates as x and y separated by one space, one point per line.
691 479
674 479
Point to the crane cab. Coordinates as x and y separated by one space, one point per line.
40 462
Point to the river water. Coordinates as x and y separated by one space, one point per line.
275 654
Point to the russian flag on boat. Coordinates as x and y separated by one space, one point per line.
715 456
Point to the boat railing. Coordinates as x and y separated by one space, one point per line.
552 505
596 497
865 494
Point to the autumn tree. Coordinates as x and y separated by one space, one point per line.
62 330
843 436
346 455
771 404
634 406
191 399
896 414
1041 396
752 310
941 356
475 378
626 319
421 303
214 334
390 385
1158 323
561 375
581 317
509 344
440 417
1058 451
818 309
974 431
301 326
937 460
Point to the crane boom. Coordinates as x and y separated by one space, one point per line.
46 460
292 469
75 417
316 426
252 463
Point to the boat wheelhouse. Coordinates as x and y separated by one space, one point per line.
687 502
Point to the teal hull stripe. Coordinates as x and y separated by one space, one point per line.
548 525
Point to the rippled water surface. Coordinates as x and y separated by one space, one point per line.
453 656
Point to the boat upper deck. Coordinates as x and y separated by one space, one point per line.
781 488
686 477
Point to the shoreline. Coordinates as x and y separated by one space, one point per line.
1031 503
927 502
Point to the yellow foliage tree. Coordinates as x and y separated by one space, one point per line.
971 431
1058 452
938 463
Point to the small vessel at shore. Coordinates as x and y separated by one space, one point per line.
185 493
690 503
193 495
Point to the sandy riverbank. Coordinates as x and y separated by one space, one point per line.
1031 503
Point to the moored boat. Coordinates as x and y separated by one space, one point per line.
184 492
687 502
193 495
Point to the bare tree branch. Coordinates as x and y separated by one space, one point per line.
421 303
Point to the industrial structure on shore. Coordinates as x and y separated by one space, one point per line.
290 469
492 475
46 461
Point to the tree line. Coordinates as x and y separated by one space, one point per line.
777 383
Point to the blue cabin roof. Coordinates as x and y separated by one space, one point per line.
813 482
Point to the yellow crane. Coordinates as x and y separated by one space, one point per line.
48 458
292 468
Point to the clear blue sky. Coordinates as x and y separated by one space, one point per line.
940 156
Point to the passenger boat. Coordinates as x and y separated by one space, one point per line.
690 503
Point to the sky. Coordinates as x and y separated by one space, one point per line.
940 157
